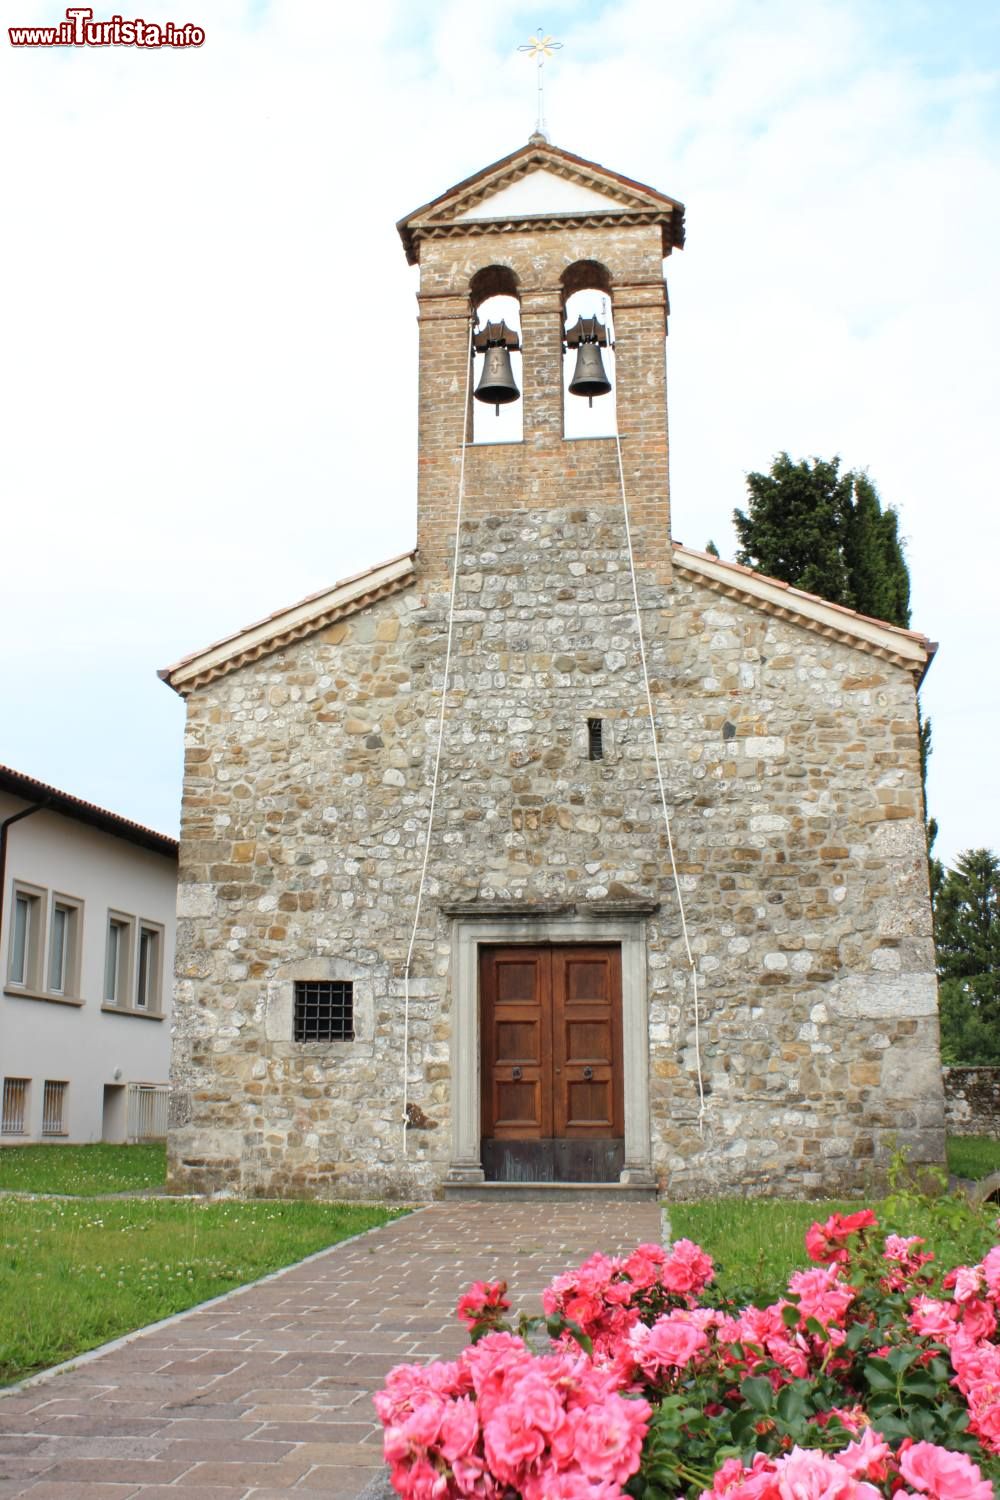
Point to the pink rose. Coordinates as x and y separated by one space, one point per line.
933 1319
821 1294
483 1302
511 1442
807 1474
991 1272
421 1481
968 1282
688 1268
644 1265
568 1484
825 1242
868 1457
669 1345
459 1429
941 1473
608 1438
978 1319
759 1482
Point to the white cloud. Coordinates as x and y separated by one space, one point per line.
209 366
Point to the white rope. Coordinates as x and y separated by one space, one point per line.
663 795
440 742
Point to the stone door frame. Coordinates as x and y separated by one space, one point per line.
468 933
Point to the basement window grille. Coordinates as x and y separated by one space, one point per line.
15 1105
324 1011
595 739
53 1108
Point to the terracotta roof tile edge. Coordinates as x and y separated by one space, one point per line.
912 644
28 789
297 616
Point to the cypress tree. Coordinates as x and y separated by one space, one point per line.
794 525
826 532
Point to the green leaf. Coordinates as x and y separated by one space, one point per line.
856 1335
878 1376
757 1393
792 1401
559 1324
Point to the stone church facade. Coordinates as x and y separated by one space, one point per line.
549 1028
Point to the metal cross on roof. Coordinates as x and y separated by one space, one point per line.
540 47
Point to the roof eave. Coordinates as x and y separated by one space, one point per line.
906 648
51 799
289 624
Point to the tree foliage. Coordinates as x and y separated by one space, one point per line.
826 532
967 935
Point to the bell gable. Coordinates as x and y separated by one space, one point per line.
537 185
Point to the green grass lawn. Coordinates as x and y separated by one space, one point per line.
756 1243
82 1170
76 1273
973 1156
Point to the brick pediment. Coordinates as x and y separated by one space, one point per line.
541 186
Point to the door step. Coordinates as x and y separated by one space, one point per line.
551 1192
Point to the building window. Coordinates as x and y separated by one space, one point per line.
595 739
117 959
53 1108
324 1011
64 947
15 1106
24 962
147 978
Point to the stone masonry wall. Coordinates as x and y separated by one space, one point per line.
972 1100
792 772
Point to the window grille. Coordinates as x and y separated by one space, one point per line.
53 1107
15 1105
146 1111
324 1011
595 739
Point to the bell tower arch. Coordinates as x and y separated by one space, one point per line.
541 214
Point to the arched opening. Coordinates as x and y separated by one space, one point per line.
587 295
493 294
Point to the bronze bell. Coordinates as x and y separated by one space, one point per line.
496 383
588 336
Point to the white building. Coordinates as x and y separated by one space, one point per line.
87 951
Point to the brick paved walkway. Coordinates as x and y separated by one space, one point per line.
267 1394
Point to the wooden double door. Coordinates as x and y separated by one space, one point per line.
552 1084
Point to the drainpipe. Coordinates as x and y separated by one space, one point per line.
26 813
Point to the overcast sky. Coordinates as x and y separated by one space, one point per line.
208 338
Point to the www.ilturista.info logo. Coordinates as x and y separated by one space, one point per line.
81 30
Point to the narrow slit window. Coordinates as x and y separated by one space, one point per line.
116 961
324 1011
595 739
25 958
22 938
148 963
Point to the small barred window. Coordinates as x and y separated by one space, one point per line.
324 1010
595 739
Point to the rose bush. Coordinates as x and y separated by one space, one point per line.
875 1374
